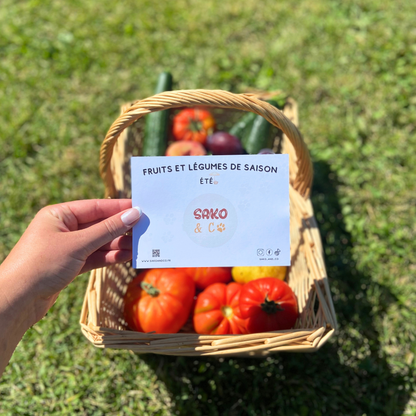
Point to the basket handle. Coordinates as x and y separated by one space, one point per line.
207 98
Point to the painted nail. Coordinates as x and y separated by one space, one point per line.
131 216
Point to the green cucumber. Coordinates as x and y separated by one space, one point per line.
259 137
157 123
243 125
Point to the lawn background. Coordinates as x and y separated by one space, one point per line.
65 69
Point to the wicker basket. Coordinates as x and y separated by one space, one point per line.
102 319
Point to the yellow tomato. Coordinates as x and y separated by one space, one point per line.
246 274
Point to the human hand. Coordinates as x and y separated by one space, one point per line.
61 242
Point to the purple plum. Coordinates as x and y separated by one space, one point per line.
266 152
222 143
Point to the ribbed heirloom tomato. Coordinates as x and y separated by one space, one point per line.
268 304
159 300
205 276
193 124
217 310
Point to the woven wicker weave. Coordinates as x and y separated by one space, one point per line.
102 319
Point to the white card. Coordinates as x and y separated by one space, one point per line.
211 211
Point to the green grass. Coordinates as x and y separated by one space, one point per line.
65 68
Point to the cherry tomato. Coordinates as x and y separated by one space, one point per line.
217 310
193 124
205 276
268 304
159 300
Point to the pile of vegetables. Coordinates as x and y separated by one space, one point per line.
218 300
193 131
194 128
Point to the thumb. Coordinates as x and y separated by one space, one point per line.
107 230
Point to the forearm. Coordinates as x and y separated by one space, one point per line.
61 242
16 316
12 332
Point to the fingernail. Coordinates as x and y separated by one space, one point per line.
131 216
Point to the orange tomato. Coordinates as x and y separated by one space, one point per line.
159 300
205 276
193 124
217 310
268 304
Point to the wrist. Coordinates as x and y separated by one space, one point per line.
17 313
17 300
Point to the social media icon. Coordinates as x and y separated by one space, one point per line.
260 252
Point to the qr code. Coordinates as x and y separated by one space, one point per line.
155 253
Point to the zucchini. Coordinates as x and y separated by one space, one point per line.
157 123
243 125
259 137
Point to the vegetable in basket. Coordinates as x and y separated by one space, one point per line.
268 304
244 274
243 126
185 148
217 310
223 143
259 137
157 123
159 300
194 124
266 152
205 276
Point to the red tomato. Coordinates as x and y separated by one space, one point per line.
268 304
159 300
193 124
205 276
217 310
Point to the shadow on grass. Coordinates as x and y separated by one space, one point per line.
348 376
